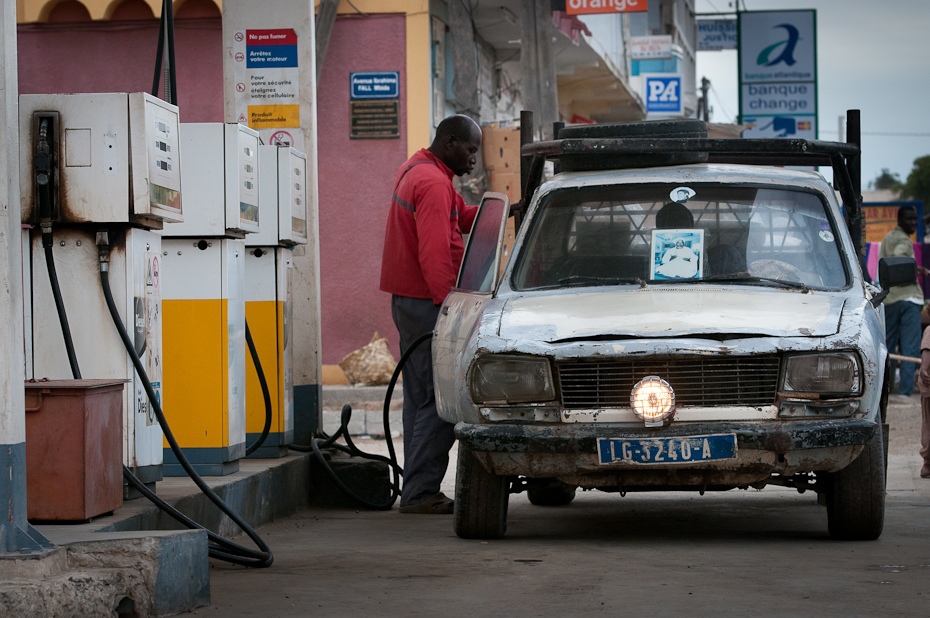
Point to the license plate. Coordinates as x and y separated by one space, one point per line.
683 449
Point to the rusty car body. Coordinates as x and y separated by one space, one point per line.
591 359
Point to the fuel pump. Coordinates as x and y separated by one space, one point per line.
101 166
283 209
204 298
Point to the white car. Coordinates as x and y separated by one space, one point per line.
696 326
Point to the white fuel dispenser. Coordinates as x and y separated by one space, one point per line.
100 173
204 301
283 208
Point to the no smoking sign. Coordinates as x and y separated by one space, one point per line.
281 138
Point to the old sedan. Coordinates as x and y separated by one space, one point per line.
689 327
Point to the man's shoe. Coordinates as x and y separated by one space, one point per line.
437 504
925 472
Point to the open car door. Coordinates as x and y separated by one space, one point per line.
478 277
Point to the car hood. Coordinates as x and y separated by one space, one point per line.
670 313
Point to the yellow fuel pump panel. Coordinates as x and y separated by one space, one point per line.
204 345
267 315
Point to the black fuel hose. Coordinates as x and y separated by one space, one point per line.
43 178
220 548
266 395
60 305
166 39
318 444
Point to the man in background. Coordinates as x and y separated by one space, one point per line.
903 303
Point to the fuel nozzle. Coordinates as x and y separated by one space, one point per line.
42 161
103 250
43 164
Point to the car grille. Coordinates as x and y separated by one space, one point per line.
698 381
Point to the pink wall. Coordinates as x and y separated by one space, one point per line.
356 178
355 175
120 57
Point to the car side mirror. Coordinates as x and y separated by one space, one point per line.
894 271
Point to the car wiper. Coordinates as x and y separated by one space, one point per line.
743 278
574 280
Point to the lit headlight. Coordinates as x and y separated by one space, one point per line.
512 379
835 373
653 400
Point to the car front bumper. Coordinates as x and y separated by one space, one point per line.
569 451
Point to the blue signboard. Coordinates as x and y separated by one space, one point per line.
778 73
663 93
374 85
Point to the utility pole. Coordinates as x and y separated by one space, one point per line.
703 110
324 28
537 65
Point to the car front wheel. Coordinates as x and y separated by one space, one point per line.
481 499
855 495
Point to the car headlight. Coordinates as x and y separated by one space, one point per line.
653 400
511 379
834 373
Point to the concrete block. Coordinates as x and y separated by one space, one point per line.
150 573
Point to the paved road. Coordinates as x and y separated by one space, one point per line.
739 553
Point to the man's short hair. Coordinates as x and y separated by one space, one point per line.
903 210
458 125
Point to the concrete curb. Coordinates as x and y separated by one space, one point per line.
148 573
367 404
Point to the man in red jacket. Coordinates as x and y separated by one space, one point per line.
422 253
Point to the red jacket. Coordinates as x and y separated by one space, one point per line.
423 237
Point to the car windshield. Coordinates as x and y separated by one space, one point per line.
632 234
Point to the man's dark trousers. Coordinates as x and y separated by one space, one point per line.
427 438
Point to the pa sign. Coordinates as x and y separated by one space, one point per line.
663 94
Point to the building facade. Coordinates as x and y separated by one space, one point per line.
486 60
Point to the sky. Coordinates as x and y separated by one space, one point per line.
872 55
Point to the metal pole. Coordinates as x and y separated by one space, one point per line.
854 164
240 16
16 535
526 137
704 107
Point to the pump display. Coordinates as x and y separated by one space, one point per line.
100 173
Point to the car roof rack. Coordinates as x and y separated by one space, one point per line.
843 157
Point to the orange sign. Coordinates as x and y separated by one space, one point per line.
587 7
879 220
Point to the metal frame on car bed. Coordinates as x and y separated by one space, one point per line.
843 157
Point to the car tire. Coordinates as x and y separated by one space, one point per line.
481 499
553 493
856 495
684 128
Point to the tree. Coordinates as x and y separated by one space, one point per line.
917 186
887 180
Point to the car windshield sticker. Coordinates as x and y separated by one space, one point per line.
677 254
681 194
